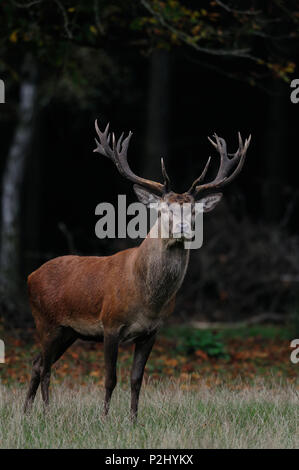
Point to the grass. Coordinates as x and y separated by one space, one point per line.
173 414
225 388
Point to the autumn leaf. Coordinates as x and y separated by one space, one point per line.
93 29
14 36
171 362
201 354
74 354
95 373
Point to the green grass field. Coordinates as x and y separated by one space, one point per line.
262 415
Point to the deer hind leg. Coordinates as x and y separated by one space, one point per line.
52 349
34 382
59 342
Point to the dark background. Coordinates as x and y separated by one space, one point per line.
172 97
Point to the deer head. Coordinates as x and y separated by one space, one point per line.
178 222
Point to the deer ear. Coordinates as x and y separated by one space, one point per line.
145 196
210 202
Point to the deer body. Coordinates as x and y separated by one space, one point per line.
126 296
83 292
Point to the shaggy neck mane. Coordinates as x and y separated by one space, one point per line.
161 265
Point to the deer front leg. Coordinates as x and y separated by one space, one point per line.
111 342
143 348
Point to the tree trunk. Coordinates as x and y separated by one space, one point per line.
11 187
274 152
157 133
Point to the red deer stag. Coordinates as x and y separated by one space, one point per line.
126 296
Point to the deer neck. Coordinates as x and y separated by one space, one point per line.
160 266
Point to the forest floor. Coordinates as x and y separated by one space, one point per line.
203 388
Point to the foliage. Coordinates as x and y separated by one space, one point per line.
263 39
262 332
203 343
234 30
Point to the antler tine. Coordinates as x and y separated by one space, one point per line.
125 143
238 156
212 142
118 154
200 178
103 146
119 142
165 176
237 153
223 176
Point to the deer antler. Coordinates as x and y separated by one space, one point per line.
118 154
226 164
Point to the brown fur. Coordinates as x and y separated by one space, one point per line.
72 290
